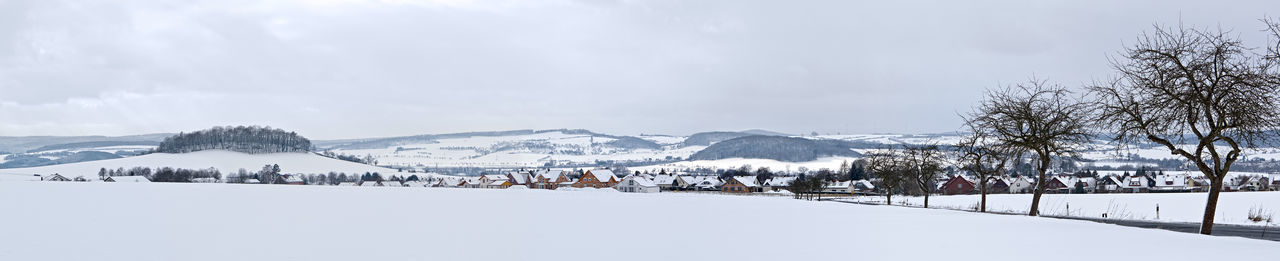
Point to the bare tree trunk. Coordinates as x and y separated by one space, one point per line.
1035 199
926 199
888 198
982 188
1211 206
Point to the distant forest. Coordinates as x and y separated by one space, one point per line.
247 139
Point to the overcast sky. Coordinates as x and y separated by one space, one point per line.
350 68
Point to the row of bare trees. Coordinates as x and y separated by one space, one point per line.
895 168
1201 93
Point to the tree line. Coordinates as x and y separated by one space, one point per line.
246 139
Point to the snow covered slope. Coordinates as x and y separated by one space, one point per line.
127 221
1233 207
532 149
225 161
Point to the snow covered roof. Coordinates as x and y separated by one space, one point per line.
550 175
603 175
779 181
450 182
416 183
293 179
495 177
840 184
709 182
497 182
664 179
749 181
347 184
639 181
863 184
518 178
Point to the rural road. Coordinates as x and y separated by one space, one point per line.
1223 230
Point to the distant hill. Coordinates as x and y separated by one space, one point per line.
29 143
23 161
765 132
626 142
776 148
708 138
225 161
93 144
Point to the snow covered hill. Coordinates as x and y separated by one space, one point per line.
127 221
224 161
516 149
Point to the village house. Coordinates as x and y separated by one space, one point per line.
997 186
740 184
708 183
1171 183
549 179
686 183
519 178
841 187
863 186
499 184
1108 184
597 178
138 179
1059 185
778 183
666 182
474 182
54 177
637 184
449 182
1021 185
957 185
1135 184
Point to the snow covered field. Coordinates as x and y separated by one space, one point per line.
224 161
1233 207
127 221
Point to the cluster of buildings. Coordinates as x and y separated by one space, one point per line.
58 177
605 178
1108 184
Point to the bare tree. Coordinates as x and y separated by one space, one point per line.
1196 93
923 164
1037 117
980 154
885 166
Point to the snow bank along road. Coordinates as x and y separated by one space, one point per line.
122 221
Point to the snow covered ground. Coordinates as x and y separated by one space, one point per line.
127 221
225 161
1233 207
